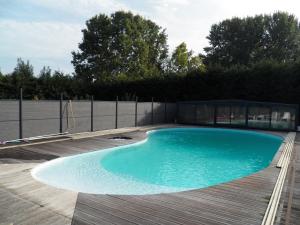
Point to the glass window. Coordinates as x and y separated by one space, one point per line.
238 115
205 114
223 115
259 117
283 118
186 113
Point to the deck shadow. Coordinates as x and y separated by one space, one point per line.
20 155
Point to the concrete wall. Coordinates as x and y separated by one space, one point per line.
42 117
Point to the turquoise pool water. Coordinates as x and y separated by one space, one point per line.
169 160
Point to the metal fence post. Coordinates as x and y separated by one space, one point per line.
165 111
152 113
116 117
135 115
296 118
195 113
230 112
215 114
270 117
92 113
247 114
60 114
21 114
176 112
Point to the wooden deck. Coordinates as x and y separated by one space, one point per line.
26 201
289 212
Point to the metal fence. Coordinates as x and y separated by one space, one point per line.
235 113
28 118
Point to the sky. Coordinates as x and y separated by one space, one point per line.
45 32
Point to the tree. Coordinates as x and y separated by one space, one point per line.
118 45
196 63
23 76
44 83
23 72
51 85
180 58
2 85
45 73
282 39
248 40
183 60
61 83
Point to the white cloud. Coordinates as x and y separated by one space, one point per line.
190 20
185 20
49 42
169 3
82 7
39 40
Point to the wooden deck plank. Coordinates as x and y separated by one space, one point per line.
242 201
20 211
289 210
128 208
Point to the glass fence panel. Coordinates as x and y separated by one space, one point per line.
283 118
247 114
186 113
259 117
238 115
223 115
205 114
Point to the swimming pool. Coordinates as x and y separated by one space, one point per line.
169 160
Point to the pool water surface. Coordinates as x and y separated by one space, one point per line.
169 160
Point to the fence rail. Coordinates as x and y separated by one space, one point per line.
28 118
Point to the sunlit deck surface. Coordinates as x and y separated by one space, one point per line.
26 201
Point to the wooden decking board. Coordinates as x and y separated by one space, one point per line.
56 149
71 147
103 213
128 208
169 214
82 217
40 149
234 201
210 209
249 197
233 216
149 212
182 216
289 212
194 206
22 210
24 154
43 217
80 221
231 193
224 200
242 201
171 210
98 200
108 209
159 212
203 211
25 202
